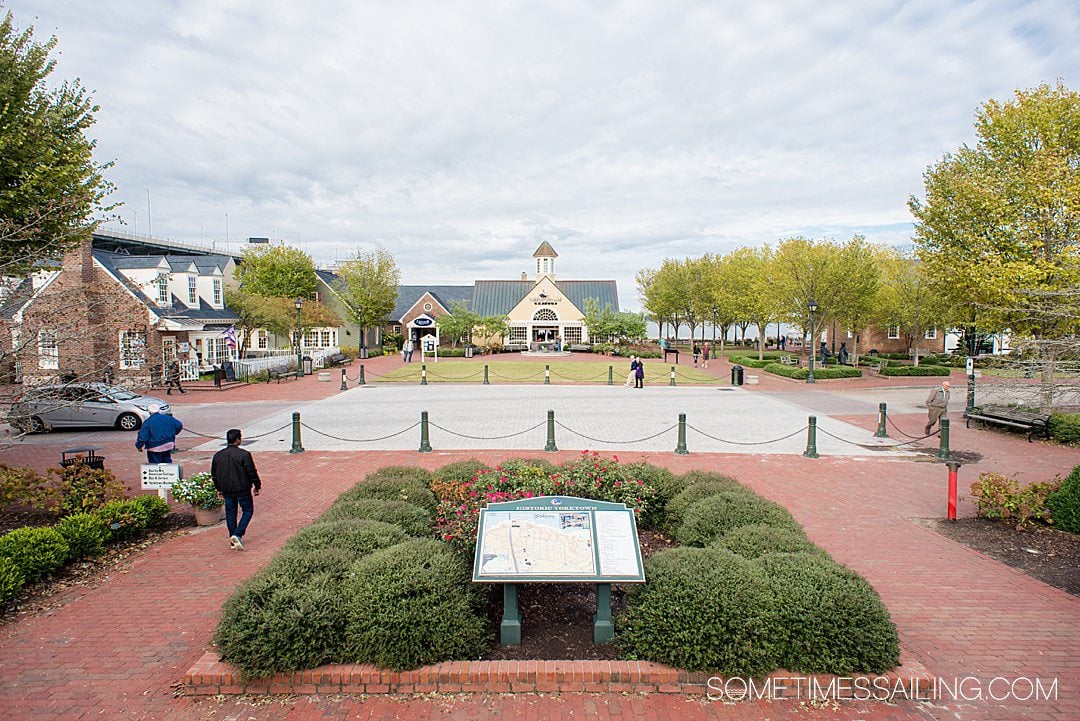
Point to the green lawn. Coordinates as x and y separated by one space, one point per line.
529 371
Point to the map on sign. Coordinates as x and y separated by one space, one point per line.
557 538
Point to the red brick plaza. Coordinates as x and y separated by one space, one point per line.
121 649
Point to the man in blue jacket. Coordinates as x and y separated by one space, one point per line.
158 436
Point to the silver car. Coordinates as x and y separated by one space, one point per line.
78 405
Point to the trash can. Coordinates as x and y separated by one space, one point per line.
363 352
468 351
308 365
219 375
736 375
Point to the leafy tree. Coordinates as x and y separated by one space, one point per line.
371 281
459 325
747 278
50 186
494 328
907 299
277 271
276 315
860 277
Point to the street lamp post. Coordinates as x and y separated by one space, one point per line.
813 309
299 303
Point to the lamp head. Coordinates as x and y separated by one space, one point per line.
812 305
299 302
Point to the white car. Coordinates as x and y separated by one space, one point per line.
80 405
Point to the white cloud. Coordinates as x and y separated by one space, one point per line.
459 134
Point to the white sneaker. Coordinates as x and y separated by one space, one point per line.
236 543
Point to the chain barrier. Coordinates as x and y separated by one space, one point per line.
917 438
868 446
748 443
538 374
602 440
486 438
602 376
431 375
247 437
360 440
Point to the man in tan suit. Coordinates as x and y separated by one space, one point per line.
937 403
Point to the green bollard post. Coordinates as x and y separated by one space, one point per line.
361 381
610 376
672 381
680 449
547 375
296 447
343 386
811 438
881 432
486 381
943 448
423 374
425 444
550 447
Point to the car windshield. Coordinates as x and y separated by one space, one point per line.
116 392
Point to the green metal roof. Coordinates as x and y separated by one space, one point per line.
498 297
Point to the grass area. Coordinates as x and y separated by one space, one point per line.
528 371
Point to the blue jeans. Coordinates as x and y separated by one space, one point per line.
156 457
247 505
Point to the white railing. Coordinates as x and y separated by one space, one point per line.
279 359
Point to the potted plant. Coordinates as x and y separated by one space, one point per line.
199 491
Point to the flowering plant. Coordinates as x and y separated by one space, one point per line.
199 491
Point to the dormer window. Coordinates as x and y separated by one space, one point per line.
162 288
192 296
217 291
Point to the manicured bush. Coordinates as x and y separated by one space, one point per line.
272 623
827 619
82 488
155 506
449 482
758 539
698 485
413 520
1002 498
919 370
751 362
713 516
125 519
35 551
1065 427
85 534
410 605
12 579
358 536
1064 503
701 609
801 373
665 484
295 565
395 484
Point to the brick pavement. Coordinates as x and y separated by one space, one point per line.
117 650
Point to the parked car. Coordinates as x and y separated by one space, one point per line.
77 405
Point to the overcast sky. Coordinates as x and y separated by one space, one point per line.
461 135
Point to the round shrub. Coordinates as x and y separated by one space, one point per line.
1065 427
712 517
760 539
273 624
828 618
296 565
1064 503
414 520
359 536
34 550
701 609
85 534
698 485
12 579
125 519
156 508
411 605
394 487
666 484
459 472
402 473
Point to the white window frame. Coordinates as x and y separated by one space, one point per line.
550 316
931 333
162 281
519 334
262 339
132 349
217 291
48 350
192 291
894 332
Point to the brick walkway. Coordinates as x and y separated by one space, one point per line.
116 651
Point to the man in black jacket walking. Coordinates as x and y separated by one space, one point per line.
234 474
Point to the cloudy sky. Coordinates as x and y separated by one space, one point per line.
459 135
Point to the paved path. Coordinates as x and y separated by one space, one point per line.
117 650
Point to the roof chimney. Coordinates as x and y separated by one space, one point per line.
525 276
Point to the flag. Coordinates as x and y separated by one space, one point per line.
230 336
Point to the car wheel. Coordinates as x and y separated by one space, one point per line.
37 425
128 422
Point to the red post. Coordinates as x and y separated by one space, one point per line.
953 468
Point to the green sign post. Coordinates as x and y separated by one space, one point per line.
557 539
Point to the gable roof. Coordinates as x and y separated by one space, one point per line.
112 263
408 295
545 251
498 297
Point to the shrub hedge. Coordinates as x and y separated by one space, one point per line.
156 508
698 485
85 534
410 605
715 515
758 539
35 550
395 484
125 519
666 484
751 362
413 520
359 536
1065 427
920 370
1064 503
800 373
12 579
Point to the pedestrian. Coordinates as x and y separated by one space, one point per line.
410 346
404 353
663 346
235 478
783 342
639 374
172 377
158 435
937 404
842 354
697 352
705 349
633 371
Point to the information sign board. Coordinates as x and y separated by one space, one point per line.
557 538
156 476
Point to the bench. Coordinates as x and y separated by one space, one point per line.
1012 417
789 360
338 359
671 350
279 376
